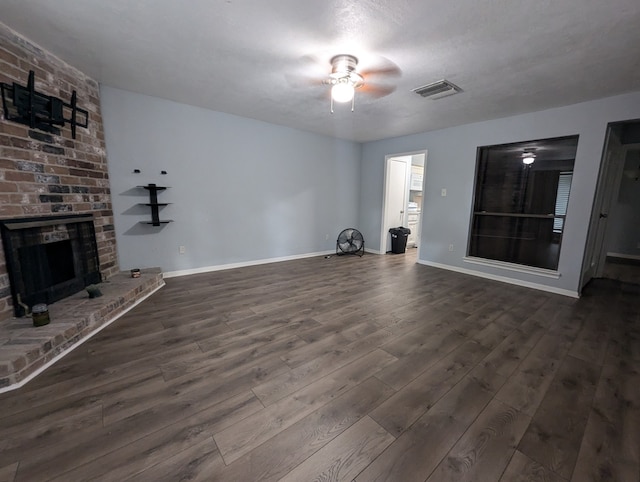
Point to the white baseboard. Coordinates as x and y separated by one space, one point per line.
547 273
76 345
372 251
503 279
243 264
623 256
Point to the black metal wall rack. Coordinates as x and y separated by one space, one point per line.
155 205
25 105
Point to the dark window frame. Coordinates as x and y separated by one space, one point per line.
514 214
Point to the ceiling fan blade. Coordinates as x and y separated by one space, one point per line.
377 91
308 71
303 80
385 67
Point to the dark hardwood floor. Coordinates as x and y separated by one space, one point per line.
346 368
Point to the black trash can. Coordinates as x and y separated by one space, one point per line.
399 237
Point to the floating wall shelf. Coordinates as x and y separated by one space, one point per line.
155 205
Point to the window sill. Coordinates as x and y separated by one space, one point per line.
547 273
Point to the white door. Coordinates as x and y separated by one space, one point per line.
397 178
608 184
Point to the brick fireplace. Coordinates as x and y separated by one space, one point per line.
43 174
50 185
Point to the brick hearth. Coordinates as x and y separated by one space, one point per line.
25 349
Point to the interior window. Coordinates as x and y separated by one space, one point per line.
520 203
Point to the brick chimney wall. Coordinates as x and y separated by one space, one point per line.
43 174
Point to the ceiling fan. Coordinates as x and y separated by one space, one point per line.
344 78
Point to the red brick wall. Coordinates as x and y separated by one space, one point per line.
45 174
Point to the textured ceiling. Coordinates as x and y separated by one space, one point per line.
240 56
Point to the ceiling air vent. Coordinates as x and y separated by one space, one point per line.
437 90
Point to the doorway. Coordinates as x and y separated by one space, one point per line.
613 243
404 181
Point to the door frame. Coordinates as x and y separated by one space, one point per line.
385 192
608 185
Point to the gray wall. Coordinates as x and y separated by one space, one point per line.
623 226
451 164
242 190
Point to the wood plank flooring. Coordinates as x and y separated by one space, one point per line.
341 369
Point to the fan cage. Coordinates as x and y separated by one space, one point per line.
350 241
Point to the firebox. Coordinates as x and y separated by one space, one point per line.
49 258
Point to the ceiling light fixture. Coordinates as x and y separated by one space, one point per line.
342 92
529 155
344 79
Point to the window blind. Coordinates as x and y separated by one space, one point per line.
562 199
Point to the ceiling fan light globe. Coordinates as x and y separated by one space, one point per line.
528 160
342 92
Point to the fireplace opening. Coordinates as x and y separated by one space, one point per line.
48 264
49 258
60 261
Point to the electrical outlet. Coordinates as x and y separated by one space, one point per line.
326 237
443 192
182 250
451 247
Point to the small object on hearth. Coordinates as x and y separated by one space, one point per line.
94 291
40 315
135 273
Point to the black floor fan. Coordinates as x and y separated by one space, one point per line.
350 241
